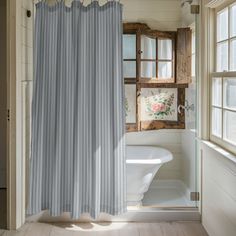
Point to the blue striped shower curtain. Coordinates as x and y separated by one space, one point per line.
77 162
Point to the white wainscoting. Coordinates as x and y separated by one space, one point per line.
168 139
218 190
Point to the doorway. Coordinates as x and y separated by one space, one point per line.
3 116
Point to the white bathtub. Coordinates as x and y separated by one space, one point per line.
142 164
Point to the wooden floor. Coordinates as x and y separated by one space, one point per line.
110 229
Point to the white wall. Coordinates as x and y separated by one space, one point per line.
158 14
26 78
186 17
27 40
218 191
182 145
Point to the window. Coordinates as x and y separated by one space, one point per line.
153 91
129 55
223 80
157 58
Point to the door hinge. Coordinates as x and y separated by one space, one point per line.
8 114
195 9
194 196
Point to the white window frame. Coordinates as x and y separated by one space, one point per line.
226 74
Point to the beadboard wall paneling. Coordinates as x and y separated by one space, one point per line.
218 192
168 139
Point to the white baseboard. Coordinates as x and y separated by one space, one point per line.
141 215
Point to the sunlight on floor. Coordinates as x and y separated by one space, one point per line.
106 226
109 229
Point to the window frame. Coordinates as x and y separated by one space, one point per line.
162 36
139 29
224 143
131 127
132 80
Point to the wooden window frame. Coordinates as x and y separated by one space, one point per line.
157 35
163 124
221 141
139 29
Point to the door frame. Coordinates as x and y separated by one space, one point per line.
16 188
15 160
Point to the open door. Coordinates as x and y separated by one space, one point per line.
3 116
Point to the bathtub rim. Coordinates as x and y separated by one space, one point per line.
165 157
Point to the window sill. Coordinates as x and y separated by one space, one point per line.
223 152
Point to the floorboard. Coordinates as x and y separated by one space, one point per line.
110 229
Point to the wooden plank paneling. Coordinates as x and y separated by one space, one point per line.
168 139
218 193
183 56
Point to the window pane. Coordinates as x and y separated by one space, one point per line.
216 121
233 21
164 70
222 25
148 47
130 103
233 55
165 49
230 93
230 126
217 92
222 56
129 68
148 69
129 46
